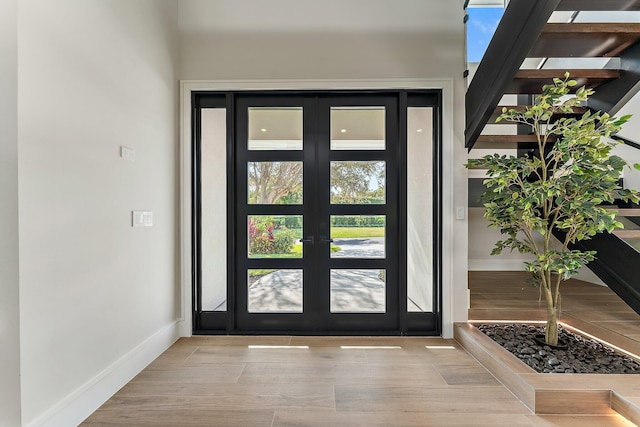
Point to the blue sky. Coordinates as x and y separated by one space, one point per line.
480 28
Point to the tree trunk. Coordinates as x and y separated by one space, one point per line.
551 332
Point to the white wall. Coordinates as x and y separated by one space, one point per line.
334 39
9 291
353 43
316 56
98 298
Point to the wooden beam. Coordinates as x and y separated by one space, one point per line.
508 138
577 112
568 40
627 234
599 5
509 141
531 81
626 212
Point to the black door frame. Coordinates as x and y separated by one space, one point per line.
408 323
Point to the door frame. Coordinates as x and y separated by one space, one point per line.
453 283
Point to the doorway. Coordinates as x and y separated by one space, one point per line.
317 187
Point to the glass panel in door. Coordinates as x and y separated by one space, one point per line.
419 210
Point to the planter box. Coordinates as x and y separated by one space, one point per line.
583 394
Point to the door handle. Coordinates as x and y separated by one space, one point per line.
324 239
308 239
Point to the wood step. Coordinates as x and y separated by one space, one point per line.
625 212
577 112
598 5
627 234
508 141
568 40
531 81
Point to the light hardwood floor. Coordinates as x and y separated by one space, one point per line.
331 381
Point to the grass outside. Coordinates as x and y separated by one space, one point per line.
356 232
347 232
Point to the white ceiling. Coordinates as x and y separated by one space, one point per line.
326 16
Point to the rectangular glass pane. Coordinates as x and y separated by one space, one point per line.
357 128
358 291
214 219
275 128
419 209
357 236
274 236
358 182
274 291
274 183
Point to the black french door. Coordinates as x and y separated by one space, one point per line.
316 212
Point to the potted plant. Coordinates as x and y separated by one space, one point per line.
560 186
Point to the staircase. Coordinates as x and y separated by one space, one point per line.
525 36
520 60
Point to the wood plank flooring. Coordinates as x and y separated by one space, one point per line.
345 381
320 381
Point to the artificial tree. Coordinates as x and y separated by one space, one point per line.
561 185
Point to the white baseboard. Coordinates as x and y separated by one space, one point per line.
489 264
77 406
518 265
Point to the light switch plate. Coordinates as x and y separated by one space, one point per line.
128 153
460 213
141 218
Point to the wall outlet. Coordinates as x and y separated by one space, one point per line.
141 219
128 153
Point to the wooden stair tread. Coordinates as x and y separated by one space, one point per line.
567 40
531 81
507 141
511 138
598 5
577 111
628 212
627 234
